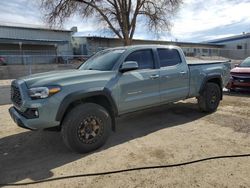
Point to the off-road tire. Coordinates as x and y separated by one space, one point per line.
74 127
210 97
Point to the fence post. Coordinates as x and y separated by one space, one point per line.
30 64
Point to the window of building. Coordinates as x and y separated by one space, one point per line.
239 47
169 57
205 50
144 58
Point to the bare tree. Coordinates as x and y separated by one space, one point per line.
120 16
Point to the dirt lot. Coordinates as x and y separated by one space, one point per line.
166 135
5 91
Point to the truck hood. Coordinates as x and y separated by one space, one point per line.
244 70
65 77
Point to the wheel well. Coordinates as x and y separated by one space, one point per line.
218 82
98 99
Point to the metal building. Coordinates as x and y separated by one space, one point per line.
235 47
19 45
83 45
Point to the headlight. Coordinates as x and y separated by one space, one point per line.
43 92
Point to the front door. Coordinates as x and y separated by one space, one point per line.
139 88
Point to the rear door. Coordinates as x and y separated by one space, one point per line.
174 75
139 88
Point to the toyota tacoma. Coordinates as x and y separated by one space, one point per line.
84 103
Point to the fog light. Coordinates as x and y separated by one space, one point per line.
31 113
36 113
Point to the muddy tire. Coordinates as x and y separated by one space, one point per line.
210 97
86 127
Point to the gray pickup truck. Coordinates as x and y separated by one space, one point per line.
85 102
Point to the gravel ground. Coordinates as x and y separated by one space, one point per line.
165 135
5 91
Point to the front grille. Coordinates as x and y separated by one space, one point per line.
242 79
16 97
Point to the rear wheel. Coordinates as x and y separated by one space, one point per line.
86 127
210 97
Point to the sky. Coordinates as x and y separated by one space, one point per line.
196 20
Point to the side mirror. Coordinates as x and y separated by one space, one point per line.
128 66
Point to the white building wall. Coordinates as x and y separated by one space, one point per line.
236 48
25 41
33 34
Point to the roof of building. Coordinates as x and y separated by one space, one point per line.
229 39
156 41
33 27
13 41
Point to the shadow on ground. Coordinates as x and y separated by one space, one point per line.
33 155
237 93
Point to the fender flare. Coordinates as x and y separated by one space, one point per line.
78 95
210 77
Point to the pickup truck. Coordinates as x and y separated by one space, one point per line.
85 102
240 77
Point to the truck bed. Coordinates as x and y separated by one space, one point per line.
199 69
202 62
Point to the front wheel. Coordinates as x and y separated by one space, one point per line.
210 97
86 127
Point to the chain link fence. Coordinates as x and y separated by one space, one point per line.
14 64
17 57
217 53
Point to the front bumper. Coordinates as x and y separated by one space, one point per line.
18 119
233 84
32 124
23 110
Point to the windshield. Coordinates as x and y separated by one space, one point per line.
245 63
103 60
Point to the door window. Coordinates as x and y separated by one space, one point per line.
144 58
168 57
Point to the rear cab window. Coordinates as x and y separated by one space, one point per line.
144 58
168 57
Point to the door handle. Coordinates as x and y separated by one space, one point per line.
183 72
154 76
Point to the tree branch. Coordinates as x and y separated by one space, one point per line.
120 16
103 15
